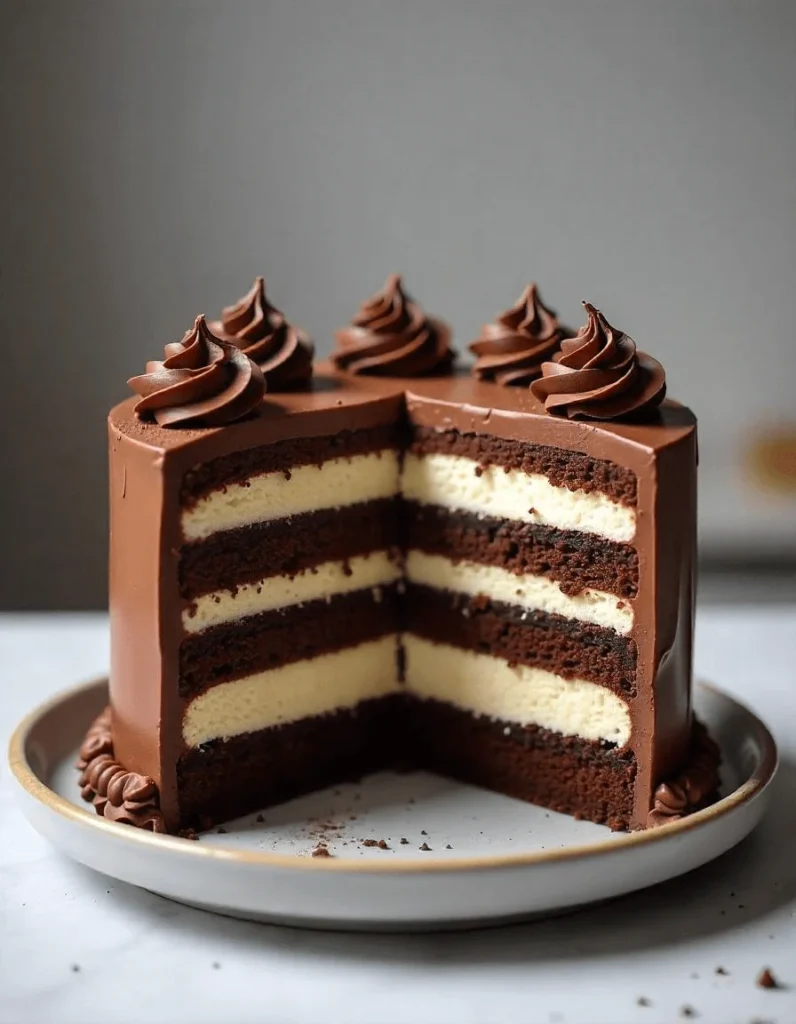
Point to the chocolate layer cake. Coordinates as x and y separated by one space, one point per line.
384 563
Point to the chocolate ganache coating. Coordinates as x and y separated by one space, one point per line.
391 336
203 381
512 350
600 375
282 351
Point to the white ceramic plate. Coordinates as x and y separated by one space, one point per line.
491 859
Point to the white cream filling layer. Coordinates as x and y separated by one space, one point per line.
536 593
322 582
333 484
453 481
489 686
330 682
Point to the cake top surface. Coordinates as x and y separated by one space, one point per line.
251 380
328 399
338 401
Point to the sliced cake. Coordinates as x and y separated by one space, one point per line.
379 562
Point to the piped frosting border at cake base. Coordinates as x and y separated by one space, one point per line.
116 793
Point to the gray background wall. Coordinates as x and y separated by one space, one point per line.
157 155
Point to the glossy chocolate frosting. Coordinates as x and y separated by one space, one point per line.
283 352
391 336
600 375
202 381
512 350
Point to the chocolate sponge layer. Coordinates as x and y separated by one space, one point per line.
574 560
566 647
228 778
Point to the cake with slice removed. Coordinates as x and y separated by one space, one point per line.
320 571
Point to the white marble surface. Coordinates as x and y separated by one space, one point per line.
76 947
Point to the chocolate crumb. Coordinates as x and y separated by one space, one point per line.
643 1001
382 845
404 841
688 1011
221 830
259 819
321 851
448 846
370 842
423 832
721 970
425 846
766 979
75 968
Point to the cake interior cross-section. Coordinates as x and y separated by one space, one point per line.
319 608
373 570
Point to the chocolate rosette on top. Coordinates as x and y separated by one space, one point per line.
202 381
283 352
391 336
511 350
600 375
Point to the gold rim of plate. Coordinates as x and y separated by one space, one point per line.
30 782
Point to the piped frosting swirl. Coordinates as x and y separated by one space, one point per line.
283 352
600 375
202 381
391 336
511 350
